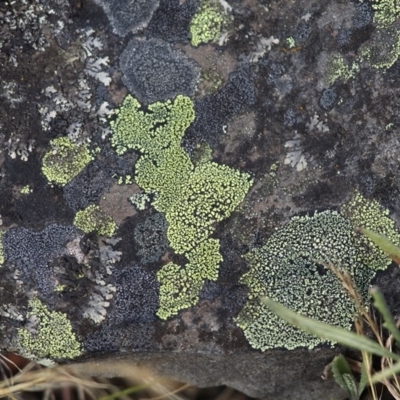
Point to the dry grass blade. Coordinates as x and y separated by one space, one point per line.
45 379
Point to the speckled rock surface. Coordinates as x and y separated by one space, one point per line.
165 163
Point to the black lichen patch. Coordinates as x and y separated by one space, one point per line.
112 337
136 299
130 321
171 21
88 186
44 204
214 111
31 252
328 99
145 65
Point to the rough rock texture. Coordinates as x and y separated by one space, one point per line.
158 176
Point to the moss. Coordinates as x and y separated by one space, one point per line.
65 160
192 197
93 219
207 24
290 268
53 335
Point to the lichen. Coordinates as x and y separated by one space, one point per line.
386 12
128 16
338 68
146 63
94 219
151 238
193 198
291 268
2 259
65 160
52 335
26 189
207 24
139 200
370 214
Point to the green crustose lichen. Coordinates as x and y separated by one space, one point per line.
291 269
94 219
207 24
52 336
383 48
369 214
193 198
386 12
65 160
338 68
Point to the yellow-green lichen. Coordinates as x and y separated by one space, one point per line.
291 268
26 190
193 197
65 160
2 232
125 180
139 200
386 12
370 214
94 219
338 68
51 335
206 25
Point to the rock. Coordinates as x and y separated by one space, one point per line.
159 175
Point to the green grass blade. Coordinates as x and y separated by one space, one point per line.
381 305
344 376
386 373
364 381
383 243
326 331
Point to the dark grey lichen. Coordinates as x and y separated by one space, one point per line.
214 111
151 237
128 16
88 186
145 65
31 252
171 21
363 15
